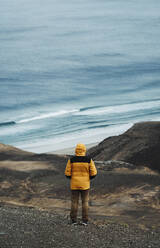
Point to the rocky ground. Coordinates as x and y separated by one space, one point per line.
124 205
35 204
30 228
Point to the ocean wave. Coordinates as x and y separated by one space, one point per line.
118 109
8 123
48 115
89 108
86 136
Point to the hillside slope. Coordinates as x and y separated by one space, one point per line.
140 145
121 191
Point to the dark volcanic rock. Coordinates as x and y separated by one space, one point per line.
140 145
113 164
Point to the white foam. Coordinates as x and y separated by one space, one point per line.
67 140
48 115
121 108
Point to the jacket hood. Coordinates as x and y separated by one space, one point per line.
80 150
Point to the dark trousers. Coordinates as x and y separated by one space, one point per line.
74 204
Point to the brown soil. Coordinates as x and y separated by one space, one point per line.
35 204
121 193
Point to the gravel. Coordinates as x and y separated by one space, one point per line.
23 227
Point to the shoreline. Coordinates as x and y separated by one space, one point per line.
71 150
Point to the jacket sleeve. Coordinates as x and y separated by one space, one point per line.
93 170
68 171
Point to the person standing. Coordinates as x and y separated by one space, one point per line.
80 169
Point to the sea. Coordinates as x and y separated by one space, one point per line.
77 71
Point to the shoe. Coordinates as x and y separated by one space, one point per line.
74 223
85 223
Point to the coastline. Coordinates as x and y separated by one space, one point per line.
124 199
71 150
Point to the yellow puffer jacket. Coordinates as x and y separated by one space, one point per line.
80 168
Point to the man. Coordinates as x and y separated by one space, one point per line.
80 169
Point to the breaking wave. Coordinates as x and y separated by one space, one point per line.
120 108
48 115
